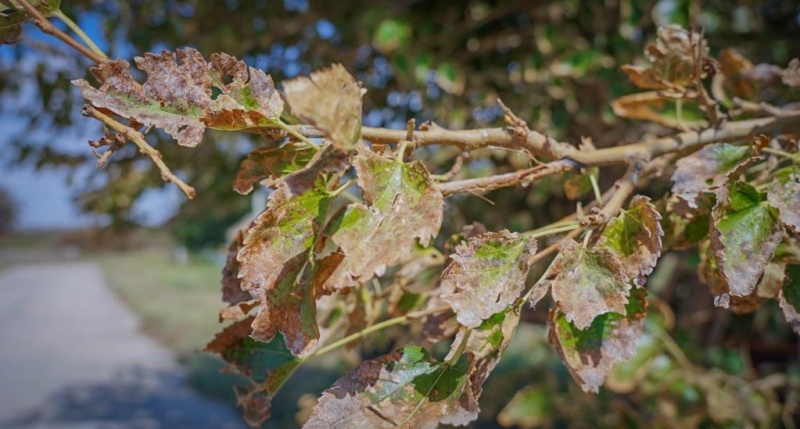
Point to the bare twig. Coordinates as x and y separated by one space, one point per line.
137 138
46 26
484 184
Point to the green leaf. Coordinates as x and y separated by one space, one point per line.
784 194
707 169
790 297
273 260
329 99
12 13
10 35
184 95
530 407
635 236
403 205
744 233
270 164
585 282
266 365
406 388
487 275
390 35
611 338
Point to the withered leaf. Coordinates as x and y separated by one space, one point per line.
790 297
707 169
709 273
329 99
273 261
404 389
232 291
635 236
745 232
784 194
579 184
590 354
184 94
327 159
270 164
265 365
733 66
585 283
654 107
488 273
673 57
403 205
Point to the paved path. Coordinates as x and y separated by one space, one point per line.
71 356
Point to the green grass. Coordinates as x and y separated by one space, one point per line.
177 303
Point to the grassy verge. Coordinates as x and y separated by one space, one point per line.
177 303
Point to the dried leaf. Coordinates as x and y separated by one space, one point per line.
273 261
184 95
733 66
790 297
326 160
265 365
271 164
329 99
578 185
708 169
611 338
635 236
403 204
709 273
232 292
655 107
585 283
673 56
237 311
791 75
784 194
404 389
744 235
489 274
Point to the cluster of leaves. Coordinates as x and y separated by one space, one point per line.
320 266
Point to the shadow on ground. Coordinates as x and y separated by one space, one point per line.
137 399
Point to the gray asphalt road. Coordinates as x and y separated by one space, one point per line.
71 356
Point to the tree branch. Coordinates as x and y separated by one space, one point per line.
46 26
484 184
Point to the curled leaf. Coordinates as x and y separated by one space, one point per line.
270 164
707 169
635 236
232 291
403 205
784 194
404 389
585 283
488 274
590 354
184 94
790 297
673 57
744 235
329 99
655 107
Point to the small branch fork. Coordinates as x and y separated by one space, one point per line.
47 27
137 138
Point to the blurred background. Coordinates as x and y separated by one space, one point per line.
554 63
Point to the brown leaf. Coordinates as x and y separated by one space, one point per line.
635 236
329 99
488 274
591 353
586 283
673 57
708 169
232 292
270 164
784 194
327 159
651 106
237 311
733 66
403 205
179 94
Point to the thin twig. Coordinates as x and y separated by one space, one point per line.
484 184
46 26
79 31
137 138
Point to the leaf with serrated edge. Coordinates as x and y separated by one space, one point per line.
270 164
232 292
784 194
404 389
635 236
707 169
265 365
489 274
273 260
585 283
184 94
403 204
744 234
329 99
591 354
790 297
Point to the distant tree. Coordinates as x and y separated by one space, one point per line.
8 211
